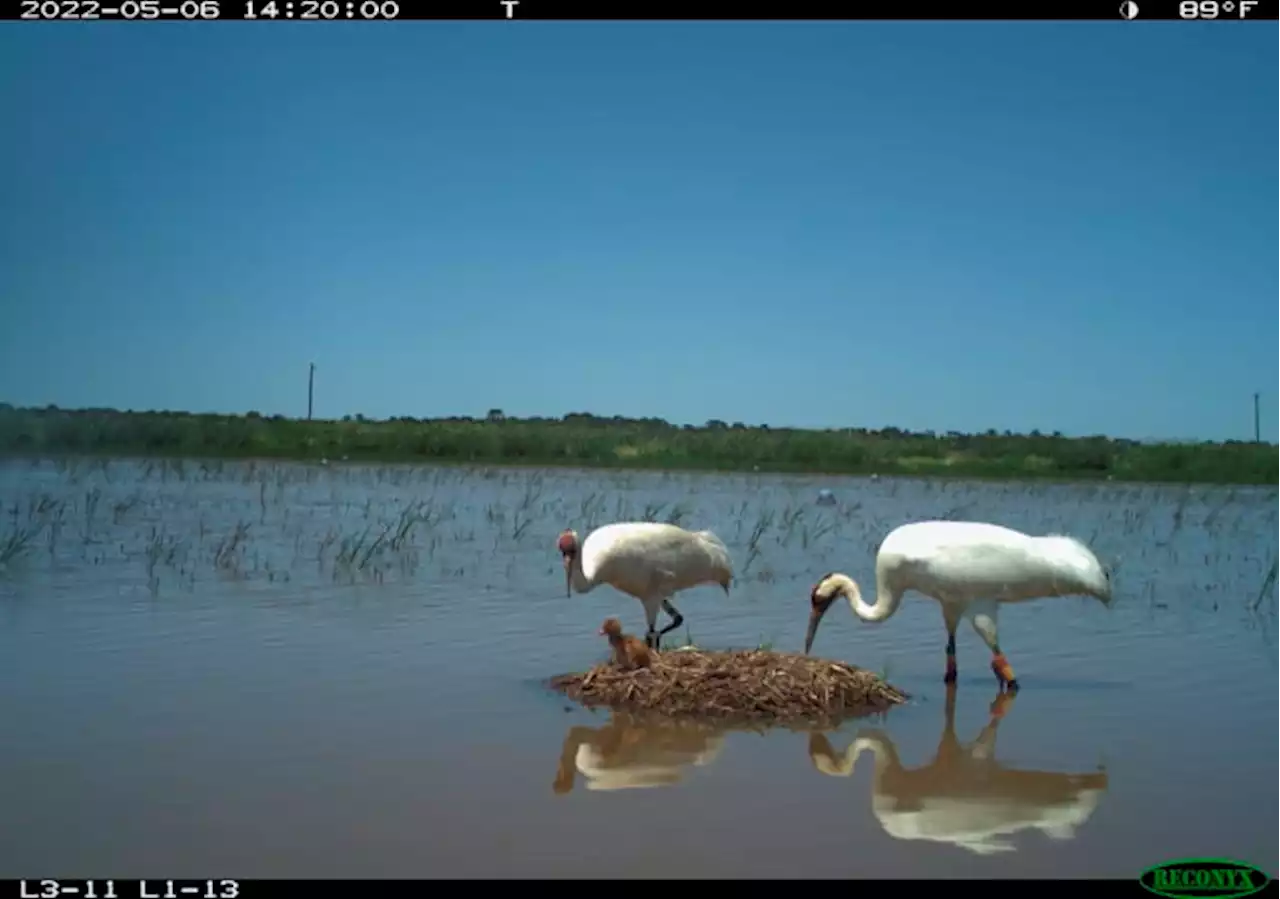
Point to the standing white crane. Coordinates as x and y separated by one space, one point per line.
648 560
970 568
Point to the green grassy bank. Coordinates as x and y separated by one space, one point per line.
588 440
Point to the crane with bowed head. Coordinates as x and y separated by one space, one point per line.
648 560
971 568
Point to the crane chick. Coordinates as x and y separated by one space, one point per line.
628 651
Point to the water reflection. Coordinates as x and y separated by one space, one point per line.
964 796
628 753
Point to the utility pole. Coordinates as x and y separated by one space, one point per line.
1257 419
311 390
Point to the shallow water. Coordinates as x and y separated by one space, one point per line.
179 701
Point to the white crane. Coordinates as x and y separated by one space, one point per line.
964 797
970 568
648 560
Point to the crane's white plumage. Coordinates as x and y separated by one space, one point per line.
964 797
648 560
970 568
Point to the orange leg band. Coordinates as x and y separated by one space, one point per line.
1000 665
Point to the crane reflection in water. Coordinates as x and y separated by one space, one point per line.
628 753
965 797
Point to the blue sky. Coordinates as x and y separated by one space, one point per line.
929 225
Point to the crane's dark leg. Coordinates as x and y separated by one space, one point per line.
651 607
951 617
676 618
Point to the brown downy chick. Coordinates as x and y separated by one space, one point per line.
628 651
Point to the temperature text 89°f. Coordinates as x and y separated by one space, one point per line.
1215 9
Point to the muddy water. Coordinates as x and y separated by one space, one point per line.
208 671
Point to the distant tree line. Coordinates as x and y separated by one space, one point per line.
583 439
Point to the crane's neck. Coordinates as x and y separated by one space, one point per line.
887 600
842 764
881 749
566 770
578 580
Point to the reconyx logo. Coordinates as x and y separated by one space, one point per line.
1211 878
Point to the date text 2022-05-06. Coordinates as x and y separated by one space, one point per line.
214 10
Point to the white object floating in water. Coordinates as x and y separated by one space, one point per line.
826 497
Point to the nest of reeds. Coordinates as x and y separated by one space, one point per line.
752 685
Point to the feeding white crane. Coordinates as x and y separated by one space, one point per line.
649 560
970 568
965 797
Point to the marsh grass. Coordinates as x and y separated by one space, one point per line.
41 514
178 524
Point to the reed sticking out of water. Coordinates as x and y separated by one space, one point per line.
738 685
44 514
1267 584
229 552
763 523
16 542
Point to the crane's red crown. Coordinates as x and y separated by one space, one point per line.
567 543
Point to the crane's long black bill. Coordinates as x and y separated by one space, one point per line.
815 618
